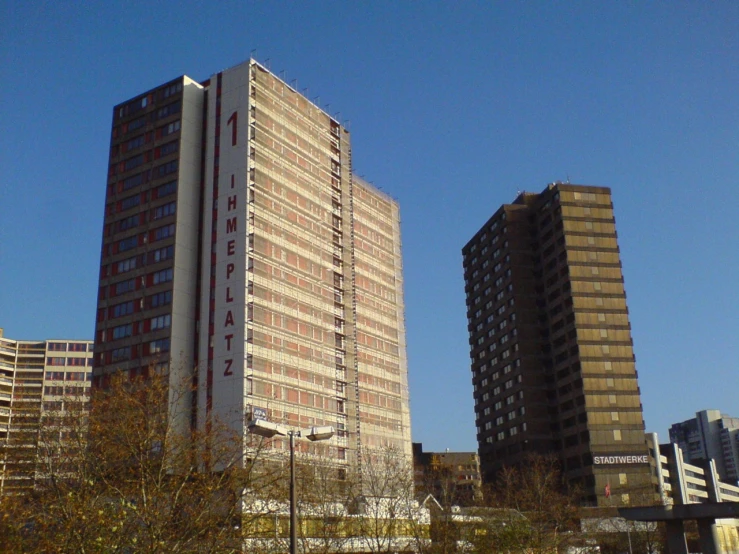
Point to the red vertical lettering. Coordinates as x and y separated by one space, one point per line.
228 371
229 319
229 298
228 342
235 120
229 270
231 202
231 225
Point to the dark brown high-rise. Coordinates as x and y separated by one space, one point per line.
550 342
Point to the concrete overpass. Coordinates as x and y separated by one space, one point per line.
675 516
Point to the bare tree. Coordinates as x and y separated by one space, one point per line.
325 493
388 514
530 510
120 477
616 535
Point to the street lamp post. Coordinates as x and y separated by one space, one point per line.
268 430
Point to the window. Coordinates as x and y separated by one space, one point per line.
161 345
130 163
134 180
123 309
128 243
509 384
171 90
616 435
163 276
58 346
122 331
77 347
169 129
164 211
500 436
168 148
498 405
499 420
128 223
75 376
120 354
166 189
164 232
166 169
162 254
161 322
510 400
125 286
55 361
166 111
135 124
126 265
513 431
134 143
130 202
161 299
511 415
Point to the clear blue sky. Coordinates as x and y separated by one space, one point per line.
453 107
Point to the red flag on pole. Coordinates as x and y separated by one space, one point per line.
608 490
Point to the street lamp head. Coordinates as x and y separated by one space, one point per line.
319 433
266 429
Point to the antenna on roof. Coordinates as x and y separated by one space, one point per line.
568 178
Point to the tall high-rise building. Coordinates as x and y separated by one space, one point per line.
36 378
240 251
550 342
710 435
